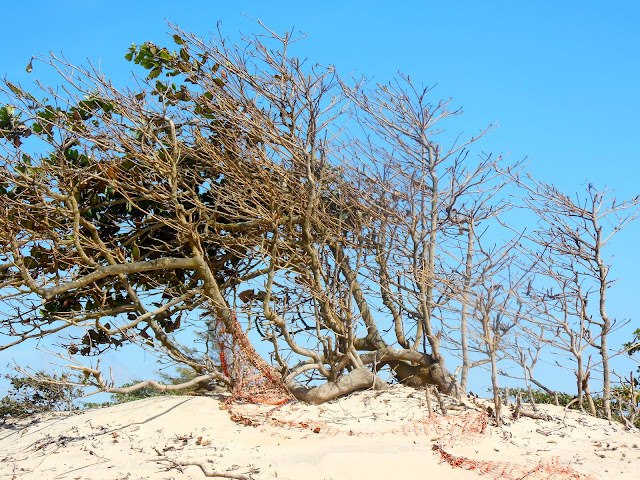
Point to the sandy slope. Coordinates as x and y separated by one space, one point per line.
368 435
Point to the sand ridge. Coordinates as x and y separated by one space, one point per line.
368 435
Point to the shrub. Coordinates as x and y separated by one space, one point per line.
39 393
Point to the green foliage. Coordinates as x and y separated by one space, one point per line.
160 60
37 394
634 345
86 405
118 212
540 396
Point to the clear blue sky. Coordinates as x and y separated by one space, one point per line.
561 78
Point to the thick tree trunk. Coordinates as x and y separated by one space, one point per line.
419 376
357 379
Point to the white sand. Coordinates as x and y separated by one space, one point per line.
369 435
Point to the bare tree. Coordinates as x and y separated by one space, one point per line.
559 318
574 232
421 190
495 311
470 223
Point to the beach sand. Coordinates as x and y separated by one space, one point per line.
368 435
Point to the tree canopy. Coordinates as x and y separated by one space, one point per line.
234 187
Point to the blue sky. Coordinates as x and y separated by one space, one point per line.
561 78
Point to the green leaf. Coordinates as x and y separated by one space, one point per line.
148 64
29 68
178 39
218 82
129 56
155 72
14 89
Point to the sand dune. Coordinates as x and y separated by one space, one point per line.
369 435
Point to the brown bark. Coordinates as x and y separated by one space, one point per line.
358 379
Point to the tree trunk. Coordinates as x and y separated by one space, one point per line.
496 388
357 379
580 378
419 376
605 325
465 309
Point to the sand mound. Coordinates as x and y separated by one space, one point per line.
369 435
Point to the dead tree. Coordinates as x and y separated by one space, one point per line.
496 312
470 221
558 317
574 232
526 355
421 189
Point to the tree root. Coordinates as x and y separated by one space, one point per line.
520 412
210 474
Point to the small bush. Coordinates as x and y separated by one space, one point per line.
40 393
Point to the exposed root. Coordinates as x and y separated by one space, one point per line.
211 474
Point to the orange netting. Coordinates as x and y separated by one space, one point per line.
451 428
254 380
549 470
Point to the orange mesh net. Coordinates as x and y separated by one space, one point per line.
451 428
549 470
253 379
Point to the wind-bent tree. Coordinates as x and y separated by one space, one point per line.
221 189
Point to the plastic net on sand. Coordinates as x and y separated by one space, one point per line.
259 399
447 428
445 431
543 470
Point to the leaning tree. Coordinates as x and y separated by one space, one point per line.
219 194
